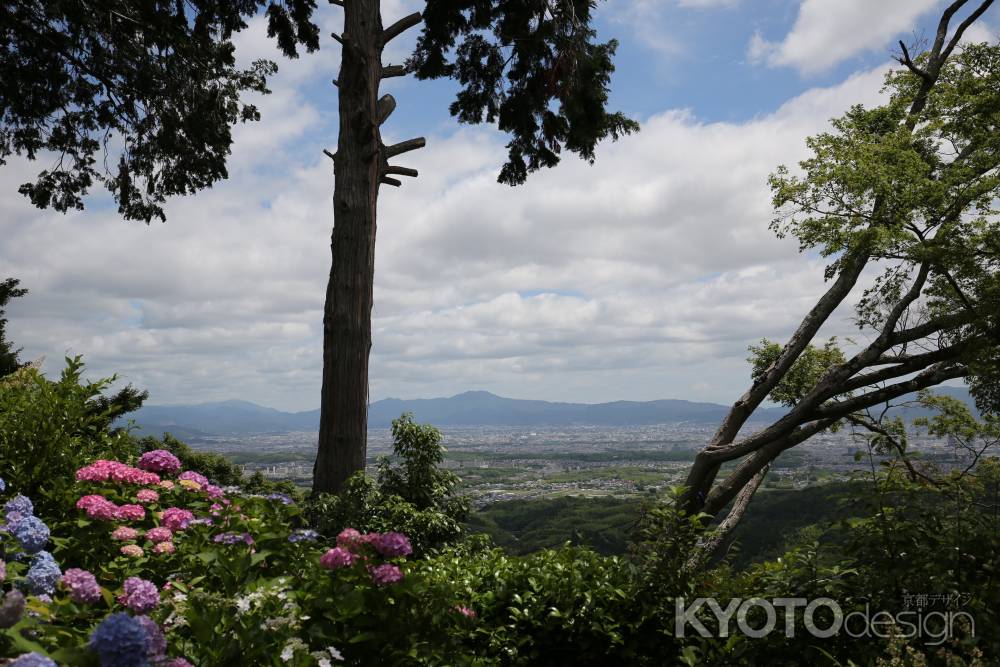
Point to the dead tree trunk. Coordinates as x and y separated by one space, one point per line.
360 166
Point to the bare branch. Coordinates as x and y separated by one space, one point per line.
389 71
330 155
969 20
910 65
339 3
400 171
404 146
386 105
336 83
400 26
927 328
337 37
928 378
391 181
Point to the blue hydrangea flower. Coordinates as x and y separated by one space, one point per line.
282 498
3 485
43 574
31 533
32 660
156 646
121 641
18 506
303 535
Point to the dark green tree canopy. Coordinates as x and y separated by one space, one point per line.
530 66
9 361
137 95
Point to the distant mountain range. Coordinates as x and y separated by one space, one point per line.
472 408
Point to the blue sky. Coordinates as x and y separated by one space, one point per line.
643 276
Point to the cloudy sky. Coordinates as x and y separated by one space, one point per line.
643 276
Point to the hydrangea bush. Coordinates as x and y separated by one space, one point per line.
155 564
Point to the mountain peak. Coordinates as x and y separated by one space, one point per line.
476 393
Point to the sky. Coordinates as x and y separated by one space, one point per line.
643 276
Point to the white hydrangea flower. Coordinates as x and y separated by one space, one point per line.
335 654
294 644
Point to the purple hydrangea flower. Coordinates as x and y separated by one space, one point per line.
178 662
43 574
157 644
385 574
196 477
31 533
11 609
282 498
336 558
232 538
3 571
303 535
141 596
3 485
121 641
159 460
31 660
18 506
83 587
392 544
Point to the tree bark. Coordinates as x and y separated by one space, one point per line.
347 333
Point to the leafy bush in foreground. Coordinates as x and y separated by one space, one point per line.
49 429
415 496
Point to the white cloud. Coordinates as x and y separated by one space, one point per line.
706 4
642 276
827 33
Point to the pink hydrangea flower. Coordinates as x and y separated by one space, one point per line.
392 544
132 551
82 586
336 558
124 533
465 611
164 548
159 460
176 519
130 513
98 507
349 538
385 574
140 596
167 484
212 491
147 496
161 534
115 471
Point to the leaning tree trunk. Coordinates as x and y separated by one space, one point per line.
871 371
359 167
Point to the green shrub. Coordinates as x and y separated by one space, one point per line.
48 429
414 496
